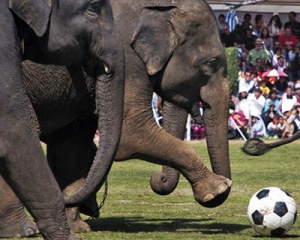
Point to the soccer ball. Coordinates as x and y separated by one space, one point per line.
272 211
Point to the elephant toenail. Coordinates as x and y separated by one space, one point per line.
29 232
208 197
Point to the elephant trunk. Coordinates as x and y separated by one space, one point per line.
215 97
174 122
109 106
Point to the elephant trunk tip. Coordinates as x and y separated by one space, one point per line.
255 147
161 184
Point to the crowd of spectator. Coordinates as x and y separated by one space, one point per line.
265 105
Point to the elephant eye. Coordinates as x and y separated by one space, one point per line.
94 8
210 66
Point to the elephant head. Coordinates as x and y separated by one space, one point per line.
184 57
78 33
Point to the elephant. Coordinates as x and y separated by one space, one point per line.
69 33
256 147
184 67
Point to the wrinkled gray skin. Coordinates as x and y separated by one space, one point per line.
183 69
60 32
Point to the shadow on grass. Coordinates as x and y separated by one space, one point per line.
133 225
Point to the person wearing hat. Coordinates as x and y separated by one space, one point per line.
257 52
297 92
275 26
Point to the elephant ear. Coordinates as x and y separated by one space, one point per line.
154 38
36 13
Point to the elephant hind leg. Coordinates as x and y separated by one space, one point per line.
14 222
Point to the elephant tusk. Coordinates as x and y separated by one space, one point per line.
106 69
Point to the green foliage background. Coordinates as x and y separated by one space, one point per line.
232 67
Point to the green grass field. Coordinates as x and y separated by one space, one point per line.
132 211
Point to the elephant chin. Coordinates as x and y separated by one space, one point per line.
217 201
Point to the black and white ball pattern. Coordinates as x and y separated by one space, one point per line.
272 211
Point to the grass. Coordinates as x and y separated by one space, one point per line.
133 211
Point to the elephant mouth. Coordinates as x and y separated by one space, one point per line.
195 113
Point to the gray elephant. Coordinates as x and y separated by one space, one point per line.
59 32
168 49
184 66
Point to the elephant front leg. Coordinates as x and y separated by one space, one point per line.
14 221
70 153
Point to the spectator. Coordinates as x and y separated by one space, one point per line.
238 120
247 42
272 99
259 25
289 123
242 103
293 24
257 52
258 128
294 57
246 82
268 116
274 129
228 38
258 68
241 30
221 22
281 64
267 39
256 101
265 90
287 101
297 92
275 26
287 38
276 56
281 85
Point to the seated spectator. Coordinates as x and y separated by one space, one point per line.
241 29
281 65
242 103
274 129
257 52
287 38
293 24
281 85
246 82
275 26
221 22
269 114
256 101
258 68
258 128
265 90
228 38
272 99
287 101
289 124
277 54
259 25
238 120
297 91
294 57
267 39
247 43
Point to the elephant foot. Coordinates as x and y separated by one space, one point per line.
212 191
77 225
17 227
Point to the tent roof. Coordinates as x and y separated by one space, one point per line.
268 6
